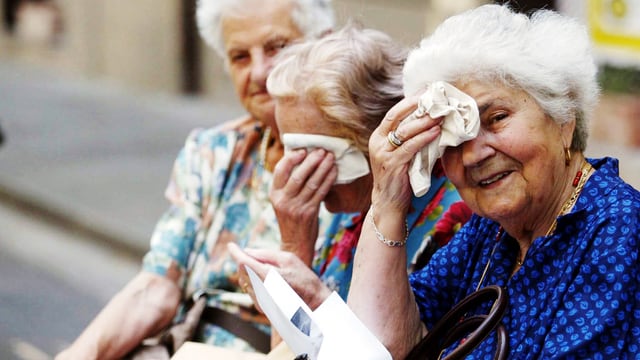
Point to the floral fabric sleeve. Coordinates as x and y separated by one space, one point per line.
174 237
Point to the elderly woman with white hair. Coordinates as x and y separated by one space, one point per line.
218 193
557 232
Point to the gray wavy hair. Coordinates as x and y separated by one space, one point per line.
312 17
547 55
353 76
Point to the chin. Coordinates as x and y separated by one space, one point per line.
332 203
500 210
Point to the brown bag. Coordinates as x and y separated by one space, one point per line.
164 345
455 325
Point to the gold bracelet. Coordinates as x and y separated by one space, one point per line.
384 240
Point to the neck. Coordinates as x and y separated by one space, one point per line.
271 148
575 176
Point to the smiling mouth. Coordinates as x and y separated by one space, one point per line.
494 179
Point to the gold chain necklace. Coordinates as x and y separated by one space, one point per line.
578 183
264 144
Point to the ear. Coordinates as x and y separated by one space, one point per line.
566 132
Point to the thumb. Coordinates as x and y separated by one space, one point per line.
243 258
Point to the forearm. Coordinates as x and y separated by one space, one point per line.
142 308
380 294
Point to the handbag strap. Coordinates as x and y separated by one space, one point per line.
184 331
230 322
453 325
239 327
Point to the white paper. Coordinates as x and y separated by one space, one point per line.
345 336
279 302
334 330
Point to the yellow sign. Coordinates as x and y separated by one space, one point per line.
615 23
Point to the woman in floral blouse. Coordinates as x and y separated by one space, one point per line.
218 193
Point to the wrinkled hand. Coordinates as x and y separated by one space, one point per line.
389 163
301 181
297 274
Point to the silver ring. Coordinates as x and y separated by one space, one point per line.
393 139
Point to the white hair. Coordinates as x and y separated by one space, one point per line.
312 17
547 55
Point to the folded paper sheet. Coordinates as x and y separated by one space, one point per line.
350 161
330 332
461 123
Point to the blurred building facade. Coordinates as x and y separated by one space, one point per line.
153 45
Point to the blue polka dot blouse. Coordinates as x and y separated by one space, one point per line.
577 294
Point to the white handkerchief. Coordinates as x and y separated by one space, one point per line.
350 161
461 123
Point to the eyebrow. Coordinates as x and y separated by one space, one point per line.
484 107
276 39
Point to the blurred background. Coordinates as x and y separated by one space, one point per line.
96 99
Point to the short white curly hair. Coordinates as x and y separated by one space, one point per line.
312 17
548 55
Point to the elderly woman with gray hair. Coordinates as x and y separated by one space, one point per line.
557 232
218 193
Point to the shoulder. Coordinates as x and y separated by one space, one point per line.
221 134
607 195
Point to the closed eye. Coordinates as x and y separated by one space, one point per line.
238 57
498 117
274 46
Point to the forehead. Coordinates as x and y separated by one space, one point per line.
257 22
487 93
302 116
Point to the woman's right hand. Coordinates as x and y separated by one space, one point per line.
390 163
298 275
301 180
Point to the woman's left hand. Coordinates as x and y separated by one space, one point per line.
297 274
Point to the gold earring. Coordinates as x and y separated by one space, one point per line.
567 156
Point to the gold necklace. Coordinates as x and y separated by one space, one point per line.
264 144
578 183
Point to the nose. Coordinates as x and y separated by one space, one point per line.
260 67
477 150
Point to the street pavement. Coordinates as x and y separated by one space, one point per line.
53 283
90 155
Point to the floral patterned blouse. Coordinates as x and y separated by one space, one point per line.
219 194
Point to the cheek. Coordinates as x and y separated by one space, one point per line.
238 77
280 121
